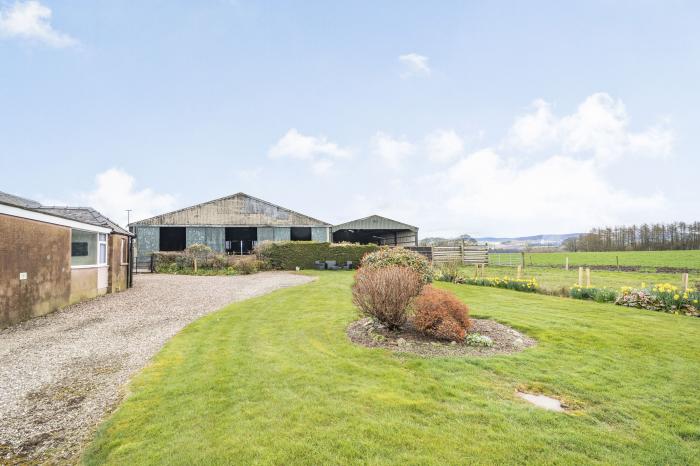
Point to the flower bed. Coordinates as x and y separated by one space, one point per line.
662 297
518 284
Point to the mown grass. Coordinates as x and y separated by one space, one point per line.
554 279
274 380
651 259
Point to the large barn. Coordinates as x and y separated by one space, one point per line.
232 224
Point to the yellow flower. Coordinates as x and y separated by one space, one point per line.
676 297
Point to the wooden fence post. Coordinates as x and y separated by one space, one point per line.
520 270
523 258
685 282
617 260
461 251
567 264
580 276
588 277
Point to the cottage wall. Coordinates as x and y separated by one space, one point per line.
42 251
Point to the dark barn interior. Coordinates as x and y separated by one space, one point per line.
172 239
300 233
380 237
240 240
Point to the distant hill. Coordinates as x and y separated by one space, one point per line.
545 238
437 241
498 242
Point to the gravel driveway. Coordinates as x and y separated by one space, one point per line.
61 374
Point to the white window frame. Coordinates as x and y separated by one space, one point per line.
102 240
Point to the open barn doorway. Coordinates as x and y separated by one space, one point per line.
380 237
172 239
376 229
240 240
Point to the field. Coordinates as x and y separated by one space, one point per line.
554 279
646 259
275 380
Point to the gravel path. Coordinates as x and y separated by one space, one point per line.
61 374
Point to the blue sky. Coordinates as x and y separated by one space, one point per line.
498 118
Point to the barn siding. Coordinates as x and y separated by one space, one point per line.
236 210
282 234
211 236
265 234
147 240
194 235
319 234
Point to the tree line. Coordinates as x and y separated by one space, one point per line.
646 237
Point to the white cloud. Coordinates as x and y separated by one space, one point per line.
414 65
317 150
390 150
322 166
115 191
443 145
599 127
298 146
570 186
559 194
30 20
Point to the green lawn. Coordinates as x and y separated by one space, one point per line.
553 279
652 259
274 380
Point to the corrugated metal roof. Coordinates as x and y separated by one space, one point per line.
238 209
374 222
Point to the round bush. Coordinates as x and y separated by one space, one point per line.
386 293
440 314
388 257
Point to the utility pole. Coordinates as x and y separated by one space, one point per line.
128 217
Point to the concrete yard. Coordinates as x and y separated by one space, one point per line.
61 374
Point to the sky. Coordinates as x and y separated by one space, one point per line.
485 118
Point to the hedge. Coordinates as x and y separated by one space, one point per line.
287 255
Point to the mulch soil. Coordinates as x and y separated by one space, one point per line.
506 340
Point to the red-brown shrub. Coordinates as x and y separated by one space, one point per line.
440 314
385 293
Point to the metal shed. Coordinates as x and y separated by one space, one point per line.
232 224
377 230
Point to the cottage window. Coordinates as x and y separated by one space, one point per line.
84 248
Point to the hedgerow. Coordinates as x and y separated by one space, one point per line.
287 255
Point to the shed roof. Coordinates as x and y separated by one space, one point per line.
79 214
238 209
85 215
11 199
374 222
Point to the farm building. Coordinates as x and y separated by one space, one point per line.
377 230
51 257
232 224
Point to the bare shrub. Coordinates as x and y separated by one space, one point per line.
385 293
440 314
